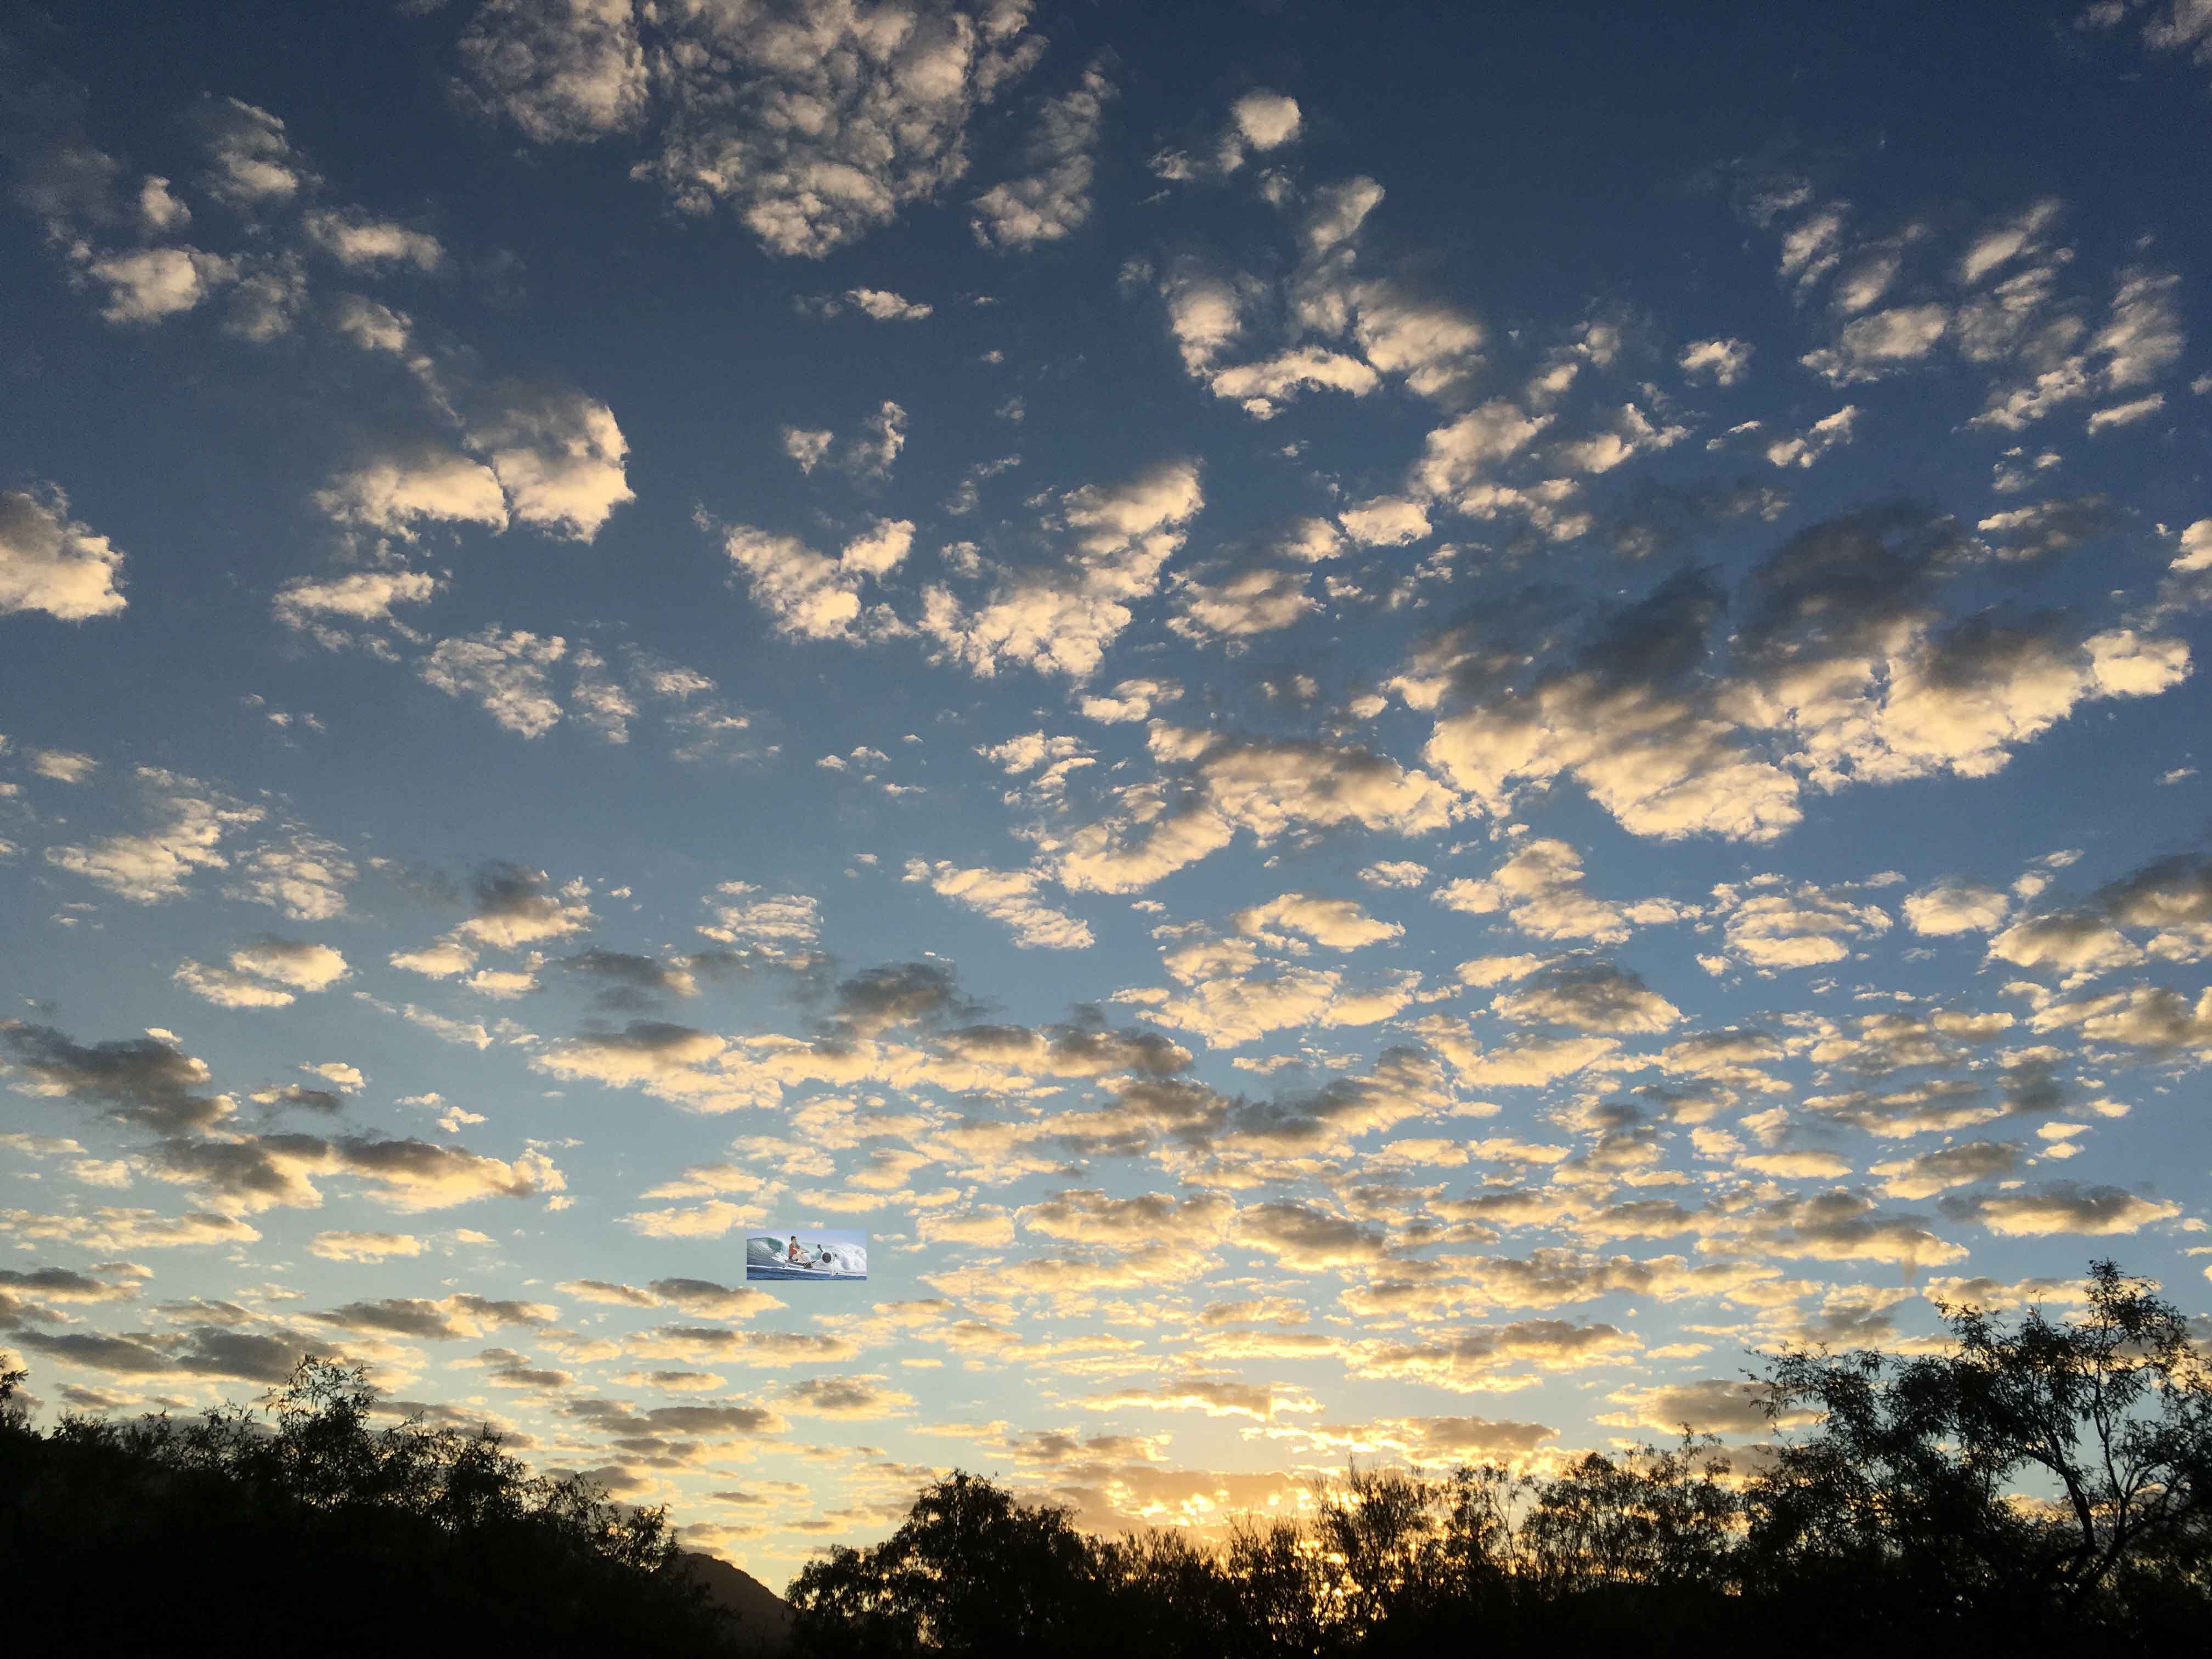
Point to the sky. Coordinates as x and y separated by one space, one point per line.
1388 730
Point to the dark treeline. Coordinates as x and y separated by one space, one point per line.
2050 1480
302 1528
2037 1481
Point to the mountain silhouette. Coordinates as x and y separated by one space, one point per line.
763 1619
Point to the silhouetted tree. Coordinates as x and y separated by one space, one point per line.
1664 1519
1908 1504
2034 1482
971 1571
301 1523
1279 1582
1906 1519
1171 1600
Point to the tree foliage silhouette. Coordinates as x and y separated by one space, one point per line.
301 1521
2042 1480
2037 1482
2058 1471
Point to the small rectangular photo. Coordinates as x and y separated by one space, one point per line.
824 1253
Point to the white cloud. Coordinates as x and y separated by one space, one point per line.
441 960
354 239
1714 1405
1266 788
251 161
1830 433
1657 762
1431 344
1486 971
1540 887
409 1175
63 765
1008 897
1934 1173
462 1033
2141 338
2066 1207
558 454
360 596
1781 926
1059 618
505 672
1204 314
1339 924
156 866
1428 343
1624 434
809 595
1861 677
2008 240
1266 120
1582 993
881 550
868 455
1869 348
110 1229
374 326
364 1246
2196 547
1046 204
1259 121
228 989
305 877
1808 248
502 984
266 975
51 564
1245 1002
2125 413
781 924
515 906
1961 700
1309 541
159 212
1956 907
302 966
1134 700
267 300
1395 872
1456 459
2146 1017
1238 605
559 69
808 446
155 283
1722 361
417 480
886 306
1264 386
1029 751
1386 522
815 124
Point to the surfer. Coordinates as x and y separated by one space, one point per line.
791 1255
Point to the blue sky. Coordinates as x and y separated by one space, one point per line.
1381 731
